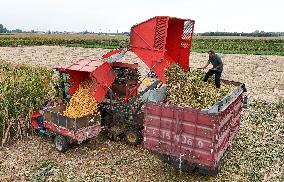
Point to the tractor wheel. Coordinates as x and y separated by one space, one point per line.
133 137
61 143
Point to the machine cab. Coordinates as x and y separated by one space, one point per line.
63 88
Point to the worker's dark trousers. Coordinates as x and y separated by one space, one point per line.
217 77
40 125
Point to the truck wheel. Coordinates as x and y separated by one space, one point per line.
61 143
133 137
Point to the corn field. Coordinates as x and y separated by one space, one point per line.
92 41
23 89
257 46
228 45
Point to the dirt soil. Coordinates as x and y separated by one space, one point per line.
263 75
103 160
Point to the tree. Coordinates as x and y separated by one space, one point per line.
1 28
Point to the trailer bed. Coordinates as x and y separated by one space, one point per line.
79 129
197 138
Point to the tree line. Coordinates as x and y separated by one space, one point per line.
5 30
252 34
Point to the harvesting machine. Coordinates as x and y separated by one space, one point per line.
158 42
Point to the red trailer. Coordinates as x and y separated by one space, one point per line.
188 137
184 137
65 130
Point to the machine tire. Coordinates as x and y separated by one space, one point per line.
133 137
61 143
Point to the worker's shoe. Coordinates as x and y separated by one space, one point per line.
41 132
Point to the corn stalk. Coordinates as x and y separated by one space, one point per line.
23 89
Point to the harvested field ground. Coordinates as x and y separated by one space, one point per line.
256 155
104 160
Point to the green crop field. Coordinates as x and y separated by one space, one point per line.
227 45
74 40
240 45
23 88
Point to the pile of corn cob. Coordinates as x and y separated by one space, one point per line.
186 88
82 103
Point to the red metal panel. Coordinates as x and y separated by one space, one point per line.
104 75
98 71
161 41
161 32
60 130
206 119
75 67
84 62
221 148
169 134
110 53
99 93
96 63
153 59
187 133
76 78
86 65
174 39
235 125
143 35
87 133
80 135
35 123
35 114
183 58
88 68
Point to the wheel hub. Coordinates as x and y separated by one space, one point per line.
131 137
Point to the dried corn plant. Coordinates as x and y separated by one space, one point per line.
188 89
23 89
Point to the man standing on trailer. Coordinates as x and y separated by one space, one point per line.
217 69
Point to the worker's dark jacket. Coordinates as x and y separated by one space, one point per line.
215 61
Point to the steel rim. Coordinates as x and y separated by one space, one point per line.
131 137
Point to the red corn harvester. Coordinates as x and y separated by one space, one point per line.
159 42
185 137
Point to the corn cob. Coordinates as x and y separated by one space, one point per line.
82 103
188 89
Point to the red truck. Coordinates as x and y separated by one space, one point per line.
192 138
